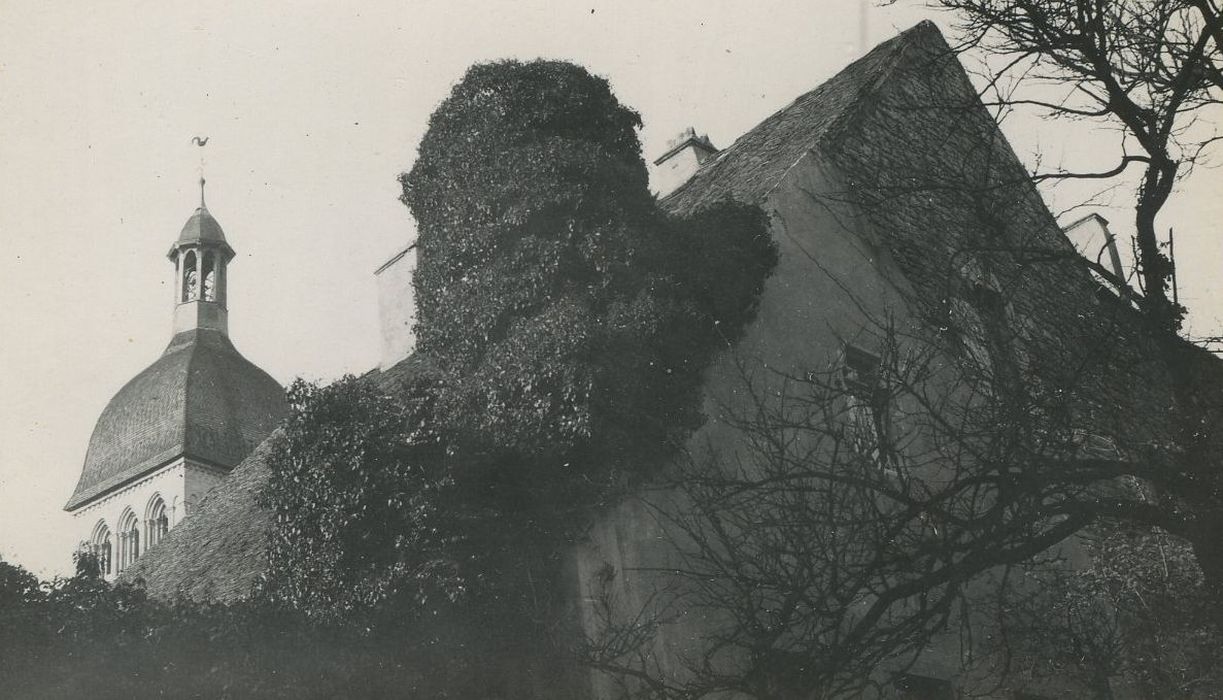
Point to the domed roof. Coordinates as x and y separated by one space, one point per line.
201 399
202 227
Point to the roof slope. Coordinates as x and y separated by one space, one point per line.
940 193
202 227
750 167
201 399
219 551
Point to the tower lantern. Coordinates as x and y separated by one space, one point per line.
201 258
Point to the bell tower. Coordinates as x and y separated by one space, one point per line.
174 431
201 257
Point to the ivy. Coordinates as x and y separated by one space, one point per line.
566 321
357 493
571 317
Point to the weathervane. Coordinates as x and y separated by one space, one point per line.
201 141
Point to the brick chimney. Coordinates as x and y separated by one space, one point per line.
684 155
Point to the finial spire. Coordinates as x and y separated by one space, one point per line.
202 206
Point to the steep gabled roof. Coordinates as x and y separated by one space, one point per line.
750 167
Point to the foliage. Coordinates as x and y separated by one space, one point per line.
417 525
571 318
565 321
81 637
358 493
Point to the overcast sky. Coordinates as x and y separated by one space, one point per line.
312 110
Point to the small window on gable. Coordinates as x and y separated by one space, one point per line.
860 372
868 405
983 326
913 687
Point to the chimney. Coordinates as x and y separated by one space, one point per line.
396 307
684 155
1093 240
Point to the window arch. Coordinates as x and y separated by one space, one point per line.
100 547
191 279
156 521
129 539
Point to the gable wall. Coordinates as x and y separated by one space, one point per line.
878 225
828 274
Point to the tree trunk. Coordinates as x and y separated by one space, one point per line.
1161 312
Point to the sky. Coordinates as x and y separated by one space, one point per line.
312 109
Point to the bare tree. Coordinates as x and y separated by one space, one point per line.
1153 69
1135 611
888 500
919 485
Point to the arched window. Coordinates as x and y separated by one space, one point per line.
191 278
99 546
129 539
156 521
210 277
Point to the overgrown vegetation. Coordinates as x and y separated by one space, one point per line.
569 316
82 637
565 323
362 505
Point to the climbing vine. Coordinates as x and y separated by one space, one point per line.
566 320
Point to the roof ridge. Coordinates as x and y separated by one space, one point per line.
829 105
863 100
897 47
